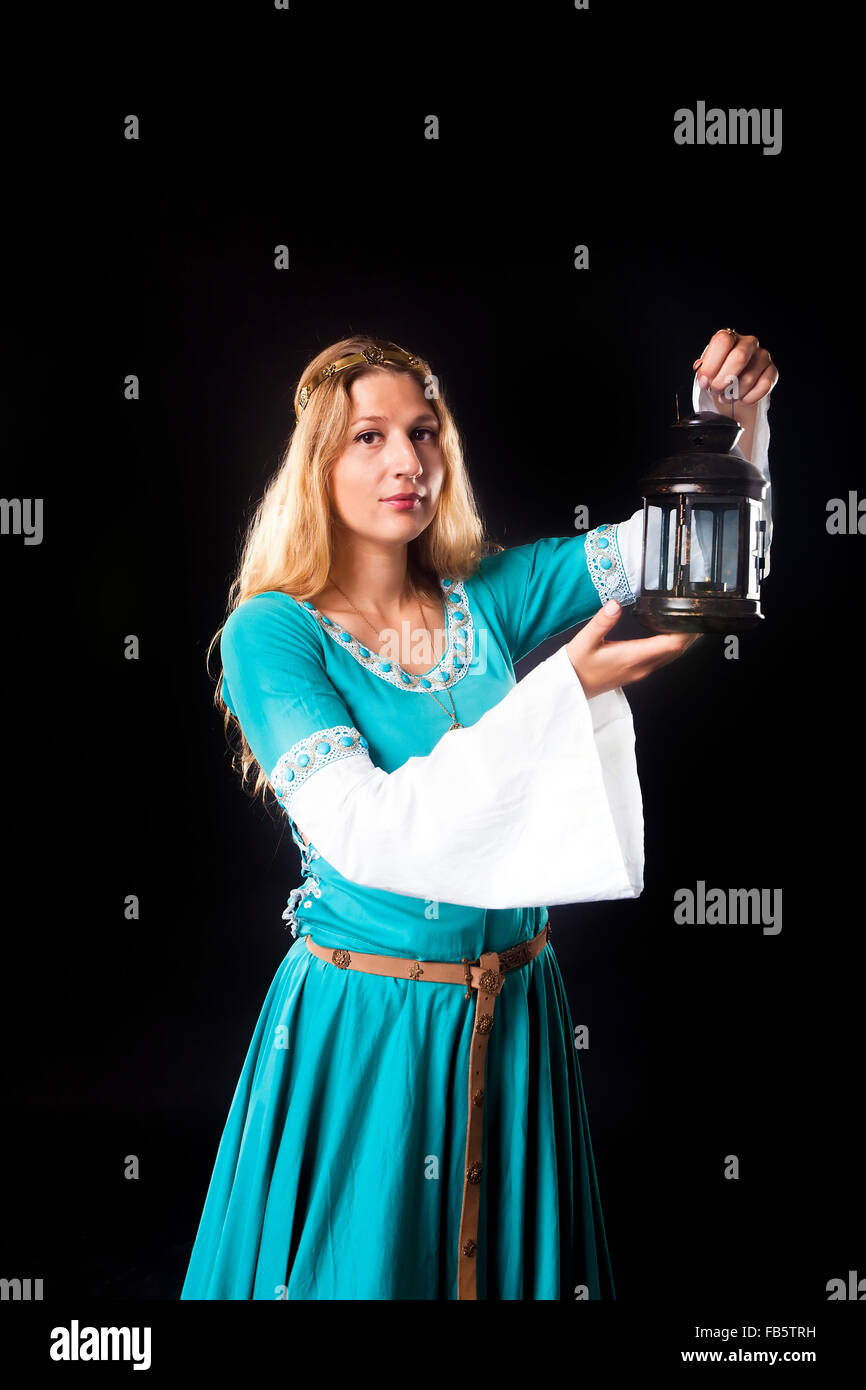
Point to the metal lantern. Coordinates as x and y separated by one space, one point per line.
704 533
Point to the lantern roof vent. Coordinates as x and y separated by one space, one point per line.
700 460
705 432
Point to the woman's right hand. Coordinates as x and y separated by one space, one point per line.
602 665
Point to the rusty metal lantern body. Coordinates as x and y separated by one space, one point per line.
704 533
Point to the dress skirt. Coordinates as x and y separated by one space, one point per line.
339 1174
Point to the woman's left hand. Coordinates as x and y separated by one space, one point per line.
735 367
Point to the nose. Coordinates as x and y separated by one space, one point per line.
402 457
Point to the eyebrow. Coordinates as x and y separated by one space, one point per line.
428 415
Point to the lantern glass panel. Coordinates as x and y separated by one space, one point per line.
661 537
730 548
714 548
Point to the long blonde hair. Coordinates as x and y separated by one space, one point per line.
289 542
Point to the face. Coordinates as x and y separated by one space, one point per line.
392 447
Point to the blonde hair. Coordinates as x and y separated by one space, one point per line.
289 543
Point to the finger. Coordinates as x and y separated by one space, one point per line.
763 386
727 380
637 670
732 365
750 374
602 622
715 353
633 660
663 644
720 349
673 655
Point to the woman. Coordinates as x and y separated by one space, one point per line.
410 1122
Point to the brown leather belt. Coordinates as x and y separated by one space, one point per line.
486 975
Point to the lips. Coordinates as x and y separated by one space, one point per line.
403 503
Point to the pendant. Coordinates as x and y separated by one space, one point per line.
455 724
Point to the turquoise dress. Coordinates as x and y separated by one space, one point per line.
339 1173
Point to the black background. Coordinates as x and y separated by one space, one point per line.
156 257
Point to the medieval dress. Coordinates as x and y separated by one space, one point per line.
340 1170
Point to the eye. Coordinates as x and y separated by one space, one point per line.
422 429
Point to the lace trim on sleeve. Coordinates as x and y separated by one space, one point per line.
606 566
305 757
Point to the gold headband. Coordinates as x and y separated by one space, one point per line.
373 356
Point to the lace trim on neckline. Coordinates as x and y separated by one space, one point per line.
452 666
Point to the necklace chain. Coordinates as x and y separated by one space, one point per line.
455 723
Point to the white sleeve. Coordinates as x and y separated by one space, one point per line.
629 535
703 399
537 803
